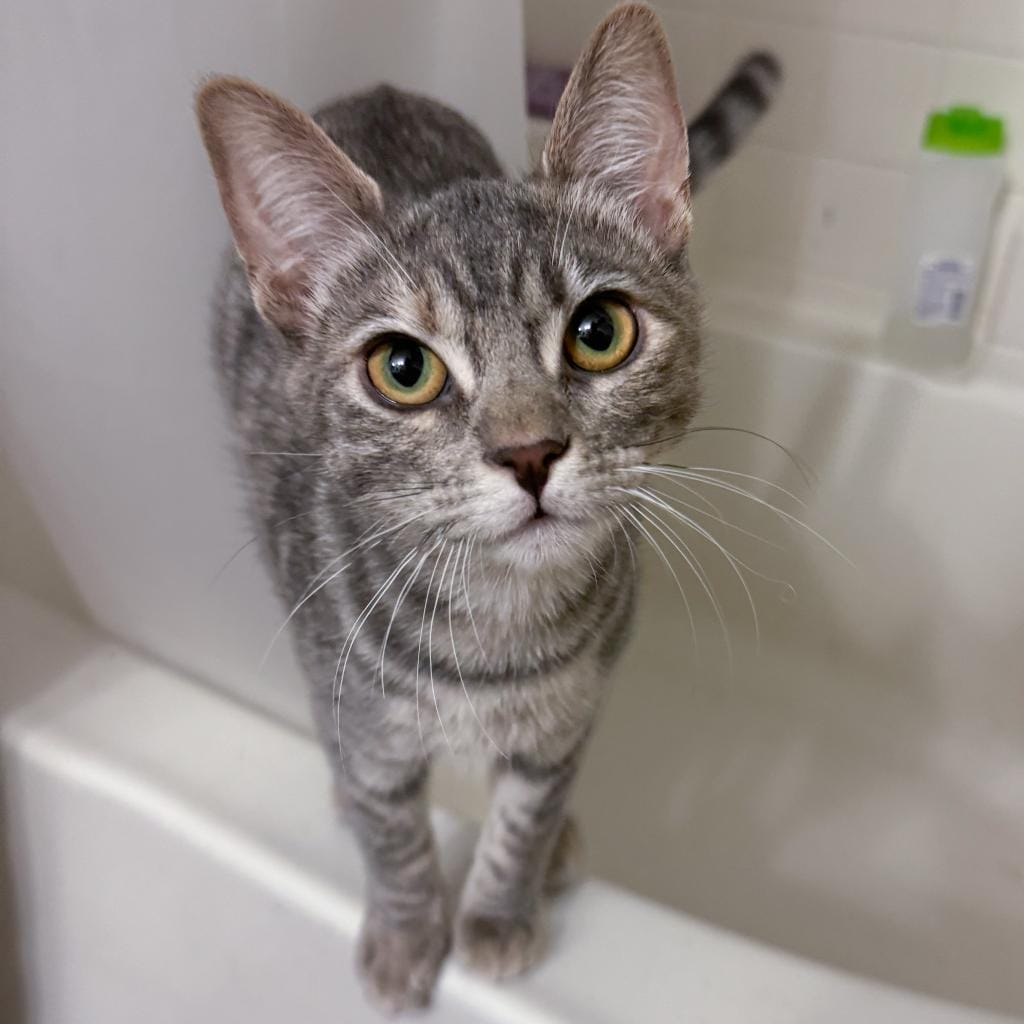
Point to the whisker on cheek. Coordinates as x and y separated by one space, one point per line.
464 550
805 471
419 645
780 512
252 540
734 563
408 585
353 636
430 646
631 515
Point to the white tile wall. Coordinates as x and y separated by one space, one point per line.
817 198
995 26
556 29
995 83
919 20
1005 298
839 91
698 71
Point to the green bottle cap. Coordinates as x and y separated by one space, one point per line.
965 131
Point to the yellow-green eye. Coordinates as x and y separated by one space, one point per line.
405 371
601 334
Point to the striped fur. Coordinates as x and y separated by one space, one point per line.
730 115
424 613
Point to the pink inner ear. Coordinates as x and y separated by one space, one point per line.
279 271
298 207
669 212
260 246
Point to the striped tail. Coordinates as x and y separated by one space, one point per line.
728 118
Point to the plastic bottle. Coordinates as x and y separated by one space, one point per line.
959 176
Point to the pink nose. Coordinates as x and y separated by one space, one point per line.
531 463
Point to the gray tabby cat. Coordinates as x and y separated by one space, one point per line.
475 365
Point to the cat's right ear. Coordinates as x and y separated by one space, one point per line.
296 204
619 124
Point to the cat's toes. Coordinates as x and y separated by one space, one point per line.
399 964
499 947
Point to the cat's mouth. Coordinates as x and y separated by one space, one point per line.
551 539
540 520
536 526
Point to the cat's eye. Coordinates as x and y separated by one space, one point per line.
405 371
601 334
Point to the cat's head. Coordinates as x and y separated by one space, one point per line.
487 360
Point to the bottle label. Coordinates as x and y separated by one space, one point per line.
943 293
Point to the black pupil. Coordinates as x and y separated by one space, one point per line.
405 363
596 329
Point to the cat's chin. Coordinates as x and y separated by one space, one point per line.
545 541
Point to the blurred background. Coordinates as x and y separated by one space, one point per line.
809 219
850 789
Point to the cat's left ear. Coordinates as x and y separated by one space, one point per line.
620 125
299 208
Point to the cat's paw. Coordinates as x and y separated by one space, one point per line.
499 947
399 964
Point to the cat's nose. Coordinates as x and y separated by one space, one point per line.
531 463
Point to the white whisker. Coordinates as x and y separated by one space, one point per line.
310 593
782 513
430 647
716 518
455 653
671 478
668 565
687 521
554 237
629 540
252 540
745 476
353 633
684 551
575 202
787 587
469 606
419 644
297 455
382 247
407 586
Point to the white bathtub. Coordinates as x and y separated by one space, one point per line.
832 830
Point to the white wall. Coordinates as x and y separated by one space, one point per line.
812 209
28 560
110 235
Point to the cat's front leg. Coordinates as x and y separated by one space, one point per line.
405 933
500 927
